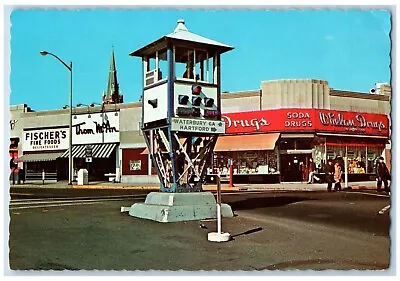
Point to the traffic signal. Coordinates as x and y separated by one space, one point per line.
183 99
211 113
196 101
188 111
153 102
208 102
196 90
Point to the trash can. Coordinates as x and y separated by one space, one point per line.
83 177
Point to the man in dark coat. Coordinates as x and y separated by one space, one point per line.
329 170
383 175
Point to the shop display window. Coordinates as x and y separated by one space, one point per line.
246 162
361 159
356 160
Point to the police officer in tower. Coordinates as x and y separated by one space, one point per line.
189 70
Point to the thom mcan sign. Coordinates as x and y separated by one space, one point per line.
95 128
45 139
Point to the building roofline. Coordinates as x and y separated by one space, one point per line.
360 95
241 94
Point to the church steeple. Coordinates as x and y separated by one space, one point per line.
112 94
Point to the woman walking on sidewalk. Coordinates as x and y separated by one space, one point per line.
338 176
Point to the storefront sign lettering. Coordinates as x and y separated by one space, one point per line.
359 121
45 139
100 128
254 123
331 119
105 128
80 131
363 123
95 128
301 119
306 120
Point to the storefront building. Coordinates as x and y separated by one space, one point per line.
280 142
44 142
271 133
95 141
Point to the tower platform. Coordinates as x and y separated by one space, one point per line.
174 207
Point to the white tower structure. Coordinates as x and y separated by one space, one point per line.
181 106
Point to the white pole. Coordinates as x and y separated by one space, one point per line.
194 64
219 202
151 151
157 78
218 236
345 170
207 68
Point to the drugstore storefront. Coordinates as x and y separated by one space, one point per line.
270 146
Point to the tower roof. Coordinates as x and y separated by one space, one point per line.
181 34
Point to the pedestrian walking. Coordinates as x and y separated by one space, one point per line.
382 174
338 176
312 172
330 170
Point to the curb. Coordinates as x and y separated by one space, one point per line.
362 187
155 188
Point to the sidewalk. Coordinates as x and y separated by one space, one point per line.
285 186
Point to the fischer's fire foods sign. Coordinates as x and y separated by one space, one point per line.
307 120
45 139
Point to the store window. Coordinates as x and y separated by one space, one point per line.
361 159
356 160
249 162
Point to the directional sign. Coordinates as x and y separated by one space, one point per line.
197 126
88 150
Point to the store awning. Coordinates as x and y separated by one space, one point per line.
103 150
39 157
247 142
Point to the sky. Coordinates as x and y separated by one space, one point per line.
348 48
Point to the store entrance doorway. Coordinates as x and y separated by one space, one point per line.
294 167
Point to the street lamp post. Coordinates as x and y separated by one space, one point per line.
69 67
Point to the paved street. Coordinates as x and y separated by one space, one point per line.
270 231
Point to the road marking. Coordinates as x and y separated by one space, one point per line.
366 193
381 212
52 205
241 192
79 198
30 202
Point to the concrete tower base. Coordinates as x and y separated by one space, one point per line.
174 207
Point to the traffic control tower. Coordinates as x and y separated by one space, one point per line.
181 106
